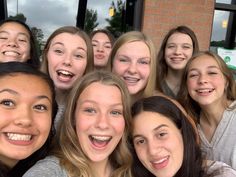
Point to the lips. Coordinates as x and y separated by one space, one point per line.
65 73
99 56
11 53
131 80
100 141
205 90
160 163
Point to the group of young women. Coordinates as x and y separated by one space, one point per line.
106 108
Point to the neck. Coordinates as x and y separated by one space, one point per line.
61 96
101 169
173 79
212 114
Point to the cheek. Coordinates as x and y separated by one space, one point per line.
80 66
118 68
119 126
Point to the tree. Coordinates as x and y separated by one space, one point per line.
116 22
20 17
90 20
38 34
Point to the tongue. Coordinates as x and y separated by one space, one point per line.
99 143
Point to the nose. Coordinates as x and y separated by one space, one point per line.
67 60
132 68
178 50
24 117
154 148
100 48
102 121
202 79
12 43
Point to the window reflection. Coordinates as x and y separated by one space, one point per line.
46 15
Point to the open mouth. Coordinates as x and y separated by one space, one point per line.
100 141
161 163
64 73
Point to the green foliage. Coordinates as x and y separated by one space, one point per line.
90 20
20 17
38 34
116 22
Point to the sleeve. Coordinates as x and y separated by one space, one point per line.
48 167
220 169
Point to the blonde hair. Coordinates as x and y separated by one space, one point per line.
70 153
134 36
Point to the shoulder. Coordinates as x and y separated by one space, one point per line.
219 169
48 167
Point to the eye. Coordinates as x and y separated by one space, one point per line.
107 46
79 56
192 75
139 142
58 51
7 103
144 62
22 40
3 38
187 47
123 60
212 73
170 46
116 112
90 110
41 107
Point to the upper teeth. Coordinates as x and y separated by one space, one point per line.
101 138
64 72
161 160
11 53
204 90
14 136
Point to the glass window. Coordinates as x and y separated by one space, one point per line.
46 15
219 29
224 1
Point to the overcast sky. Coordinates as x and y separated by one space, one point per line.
48 15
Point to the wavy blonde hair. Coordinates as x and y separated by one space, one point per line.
71 156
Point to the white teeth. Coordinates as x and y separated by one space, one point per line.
65 72
131 79
19 137
101 138
161 160
11 53
204 90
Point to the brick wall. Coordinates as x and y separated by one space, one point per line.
162 15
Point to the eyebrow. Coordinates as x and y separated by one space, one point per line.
16 93
60 43
94 40
20 33
208 67
155 129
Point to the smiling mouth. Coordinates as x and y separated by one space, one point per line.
205 90
131 79
64 73
18 137
100 141
11 53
